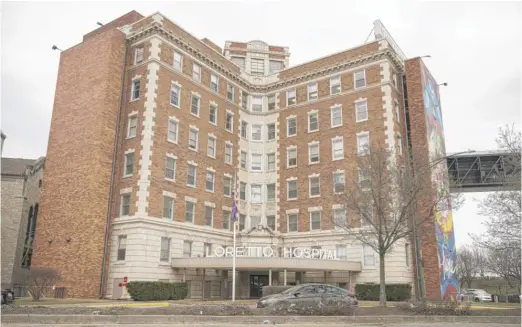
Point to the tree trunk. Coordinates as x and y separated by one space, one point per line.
382 278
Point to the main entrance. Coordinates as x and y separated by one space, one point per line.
256 285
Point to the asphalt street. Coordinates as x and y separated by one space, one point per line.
286 325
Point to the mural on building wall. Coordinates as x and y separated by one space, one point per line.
449 286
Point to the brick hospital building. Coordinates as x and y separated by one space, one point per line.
150 126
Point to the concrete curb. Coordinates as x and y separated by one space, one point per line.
181 319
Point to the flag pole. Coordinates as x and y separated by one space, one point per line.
234 213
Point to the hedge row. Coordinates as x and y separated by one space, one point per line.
394 292
154 291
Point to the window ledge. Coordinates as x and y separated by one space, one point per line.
127 176
173 105
119 263
314 196
193 114
193 186
170 180
361 121
130 137
314 163
213 157
314 131
335 126
195 150
164 264
173 142
134 100
337 159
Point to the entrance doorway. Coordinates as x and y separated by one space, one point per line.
256 285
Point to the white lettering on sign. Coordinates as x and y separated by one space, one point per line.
268 252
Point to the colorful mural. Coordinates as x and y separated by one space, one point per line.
449 286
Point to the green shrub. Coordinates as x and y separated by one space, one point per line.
394 292
155 291
269 290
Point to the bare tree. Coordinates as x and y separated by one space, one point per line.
470 263
39 280
505 262
384 196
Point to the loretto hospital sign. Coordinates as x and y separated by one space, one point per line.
268 252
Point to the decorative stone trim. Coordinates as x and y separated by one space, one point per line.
177 84
129 151
191 199
167 193
192 163
126 190
194 127
133 113
226 208
313 175
211 169
210 204
171 155
227 175
338 206
315 209
292 211
291 179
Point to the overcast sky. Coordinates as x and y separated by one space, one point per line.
475 48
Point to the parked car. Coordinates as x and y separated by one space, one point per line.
477 295
7 296
309 294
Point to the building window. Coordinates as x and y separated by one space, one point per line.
211 147
172 135
313 153
270 192
122 247
175 92
256 163
138 57
195 103
132 126
191 175
397 111
229 123
275 66
257 132
243 160
394 79
270 222
165 249
125 205
226 220
340 250
361 111
271 102
291 126
338 181
315 186
270 162
170 168
213 83
255 193
270 132
242 191
129 163
365 181
399 144
363 144
242 220
315 220
193 139
189 211
312 91
257 66
244 99
337 148
168 207
313 122
407 254
244 130
177 61
212 114
207 248
340 218
292 223
290 97
369 257
291 156
187 249
239 61
336 114
196 73
255 221
335 85
292 190
230 92
228 153
209 181
135 94
367 216
227 186
257 103
209 216
360 79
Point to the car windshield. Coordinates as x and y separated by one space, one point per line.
291 290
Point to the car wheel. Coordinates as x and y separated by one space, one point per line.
477 299
10 297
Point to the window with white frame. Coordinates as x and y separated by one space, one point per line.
175 93
361 111
209 181
244 130
255 221
191 175
243 160
338 181
170 168
212 114
271 132
341 252
271 102
242 221
189 211
335 85
365 182
129 163
291 126
195 104
229 122
394 79
257 66
172 135
270 192
228 153
339 218
230 92
165 249
275 66
337 148
213 83
207 248
312 91
292 190
239 61
242 191
244 99
363 144
193 139
397 111
336 114
407 254
135 92
255 193
125 204
132 126
313 121
122 247
367 216
226 219
292 222
315 186
360 79
138 57
313 153
257 132
270 162
168 207
257 103
368 256
196 72
209 216
315 220
399 144
270 222
256 162
187 249
291 157
211 146
290 97
177 61
227 186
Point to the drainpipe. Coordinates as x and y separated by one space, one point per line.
111 186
